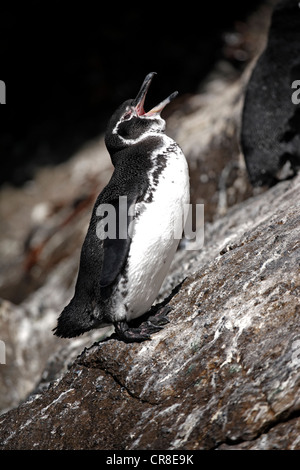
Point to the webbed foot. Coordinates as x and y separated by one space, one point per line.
133 335
143 327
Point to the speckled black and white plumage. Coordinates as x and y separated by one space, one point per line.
119 279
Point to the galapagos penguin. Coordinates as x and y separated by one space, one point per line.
120 275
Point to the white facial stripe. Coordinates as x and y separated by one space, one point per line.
155 130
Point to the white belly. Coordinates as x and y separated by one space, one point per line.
153 242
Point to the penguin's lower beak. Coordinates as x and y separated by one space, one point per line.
139 101
158 109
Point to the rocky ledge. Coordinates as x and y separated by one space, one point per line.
223 374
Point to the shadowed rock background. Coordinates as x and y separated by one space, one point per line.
270 134
225 372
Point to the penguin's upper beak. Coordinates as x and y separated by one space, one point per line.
138 102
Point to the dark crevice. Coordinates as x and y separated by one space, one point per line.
130 393
97 365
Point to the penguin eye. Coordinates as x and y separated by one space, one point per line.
127 116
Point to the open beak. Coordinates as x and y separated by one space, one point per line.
139 101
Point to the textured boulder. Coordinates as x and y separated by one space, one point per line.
43 226
224 372
271 118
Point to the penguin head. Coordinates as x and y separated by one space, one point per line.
130 124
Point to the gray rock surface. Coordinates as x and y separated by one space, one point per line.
224 372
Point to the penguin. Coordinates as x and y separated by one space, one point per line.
120 275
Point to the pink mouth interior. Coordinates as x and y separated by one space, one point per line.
140 107
157 109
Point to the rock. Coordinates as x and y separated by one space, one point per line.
270 135
43 226
224 373
26 331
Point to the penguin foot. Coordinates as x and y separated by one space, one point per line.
133 335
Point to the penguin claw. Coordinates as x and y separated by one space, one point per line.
132 335
142 332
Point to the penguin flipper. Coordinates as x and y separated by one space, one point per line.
115 250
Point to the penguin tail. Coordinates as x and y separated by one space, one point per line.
75 319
